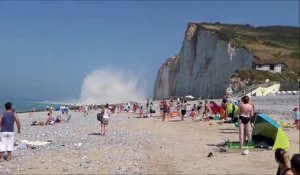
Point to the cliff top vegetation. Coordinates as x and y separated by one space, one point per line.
277 43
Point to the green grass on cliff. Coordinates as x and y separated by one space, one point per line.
277 43
257 76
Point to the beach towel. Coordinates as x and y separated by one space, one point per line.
214 107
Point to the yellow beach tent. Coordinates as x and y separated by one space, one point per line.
269 131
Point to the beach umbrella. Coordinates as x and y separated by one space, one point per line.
269 131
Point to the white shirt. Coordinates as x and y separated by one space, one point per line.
106 113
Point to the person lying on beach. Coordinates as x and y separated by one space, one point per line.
283 160
35 123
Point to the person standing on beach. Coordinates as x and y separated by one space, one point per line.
104 122
183 109
7 121
171 107
245 111
86 110
164 110
147 106
151 109
207 108
297 117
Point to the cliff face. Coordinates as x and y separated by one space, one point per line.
203 66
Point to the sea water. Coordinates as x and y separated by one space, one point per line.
25 105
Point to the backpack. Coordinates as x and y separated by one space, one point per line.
100 116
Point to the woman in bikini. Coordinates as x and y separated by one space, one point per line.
245 111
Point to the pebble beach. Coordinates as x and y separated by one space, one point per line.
144 145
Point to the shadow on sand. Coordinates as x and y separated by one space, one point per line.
229 132
175 120
228 129
94 134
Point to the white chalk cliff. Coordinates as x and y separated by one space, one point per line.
203 66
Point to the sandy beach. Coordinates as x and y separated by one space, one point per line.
145 145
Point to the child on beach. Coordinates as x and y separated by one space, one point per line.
206 110
164 110
194 114
297 117
141 112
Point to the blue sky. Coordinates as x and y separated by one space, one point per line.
47 48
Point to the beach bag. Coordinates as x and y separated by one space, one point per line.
100 116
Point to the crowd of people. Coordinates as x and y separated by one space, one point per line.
240 112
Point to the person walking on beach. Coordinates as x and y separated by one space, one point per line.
164 110
86 110
183 109
147 105
245 111
207 108
283 160
297 117
151 109
104 122
7 121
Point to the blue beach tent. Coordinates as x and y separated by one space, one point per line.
268 130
